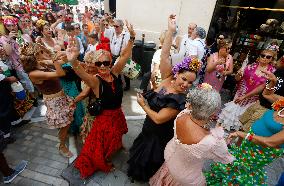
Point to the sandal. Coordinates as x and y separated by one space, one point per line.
67 153
111 164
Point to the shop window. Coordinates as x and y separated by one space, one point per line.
252 25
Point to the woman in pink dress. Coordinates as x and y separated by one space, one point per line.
251 83
193 143
220 64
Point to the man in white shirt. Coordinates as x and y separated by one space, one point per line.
185 45
118 37
197 46
186 40
118 41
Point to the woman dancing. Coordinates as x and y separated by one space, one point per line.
36 60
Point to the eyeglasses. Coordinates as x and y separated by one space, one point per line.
116 26
77 28
59 15
100 63
265 56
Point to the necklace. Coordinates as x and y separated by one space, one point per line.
190 116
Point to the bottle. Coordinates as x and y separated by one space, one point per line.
5 69
19 90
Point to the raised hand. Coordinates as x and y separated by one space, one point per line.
130 29
172 23
72 53
270 76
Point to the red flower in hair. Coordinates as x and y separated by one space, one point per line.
104 43
103 46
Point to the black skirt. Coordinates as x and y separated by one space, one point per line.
147 152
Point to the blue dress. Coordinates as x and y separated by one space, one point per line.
70 89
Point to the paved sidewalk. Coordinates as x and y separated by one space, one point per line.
37 145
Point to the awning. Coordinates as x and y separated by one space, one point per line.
68 2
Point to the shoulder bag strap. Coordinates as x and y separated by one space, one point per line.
101 88
121 44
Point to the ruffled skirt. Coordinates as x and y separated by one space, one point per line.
229 117
163 178
59 111
102 142
146 156
247 169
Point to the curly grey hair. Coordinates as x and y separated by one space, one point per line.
204 102
120 22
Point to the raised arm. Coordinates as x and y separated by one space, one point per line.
126 53
268 92
59 72
72 53
165 65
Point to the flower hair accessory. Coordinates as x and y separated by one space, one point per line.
277 105
205 86
187 64
30 49
10 20
41 22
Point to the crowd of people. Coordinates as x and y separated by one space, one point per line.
74 62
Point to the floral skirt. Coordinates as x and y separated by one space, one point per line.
247 169
59 111
103 141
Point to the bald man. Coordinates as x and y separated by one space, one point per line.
184 46
186 39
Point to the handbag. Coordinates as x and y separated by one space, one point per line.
131 69
95 108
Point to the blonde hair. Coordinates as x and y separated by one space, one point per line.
272 52
93 56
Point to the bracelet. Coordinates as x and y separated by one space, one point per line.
76 67
272 88
250 137
247 135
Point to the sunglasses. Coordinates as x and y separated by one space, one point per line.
77 28
59 15
100 63
116 26
265 56
106 24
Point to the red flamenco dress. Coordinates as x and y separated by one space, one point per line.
105 137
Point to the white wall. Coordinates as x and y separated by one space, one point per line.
150 16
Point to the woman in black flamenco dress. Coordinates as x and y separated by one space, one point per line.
163 105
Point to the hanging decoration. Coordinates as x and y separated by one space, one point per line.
68 2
